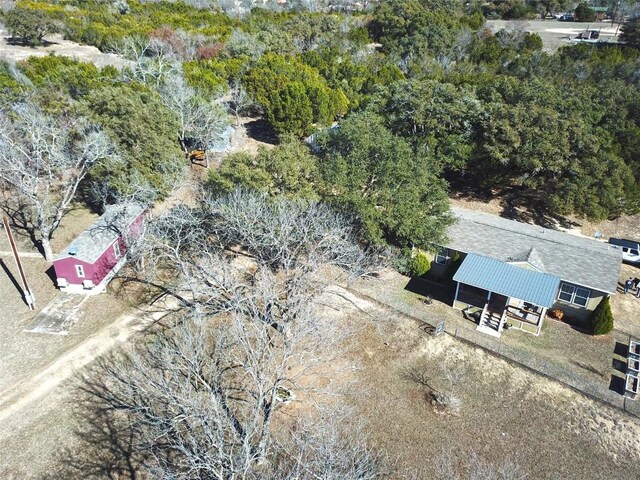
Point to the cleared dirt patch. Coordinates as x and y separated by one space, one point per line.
58 45
505 411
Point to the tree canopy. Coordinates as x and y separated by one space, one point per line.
294 95
286 170
368 169
145 132
29 26
630 33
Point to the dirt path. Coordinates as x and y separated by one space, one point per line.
27 392
59 46
21 254
22 394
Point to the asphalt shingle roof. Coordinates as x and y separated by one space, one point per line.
95 240
509 280
580 260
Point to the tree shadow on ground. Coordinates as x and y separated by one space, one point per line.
20 222
108 449
516 203
21 42
528 207
261 131
430 288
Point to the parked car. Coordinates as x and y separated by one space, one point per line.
630 249
567 17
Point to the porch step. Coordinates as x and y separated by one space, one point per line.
488 330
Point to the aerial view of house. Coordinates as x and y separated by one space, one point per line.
88 263
513 272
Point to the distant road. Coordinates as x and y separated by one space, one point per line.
557 34
84 53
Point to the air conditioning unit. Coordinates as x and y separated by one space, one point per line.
87 284
62 282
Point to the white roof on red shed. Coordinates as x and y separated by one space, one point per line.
95 240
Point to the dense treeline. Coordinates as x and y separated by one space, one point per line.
424 95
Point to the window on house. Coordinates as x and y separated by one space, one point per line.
116 249
80 271
574 294
443 256
581 296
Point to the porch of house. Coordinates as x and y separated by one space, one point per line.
493 311
496 293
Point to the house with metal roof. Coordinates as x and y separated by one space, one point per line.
90 261
509 272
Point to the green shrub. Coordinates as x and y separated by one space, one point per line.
420 264
30 26
602 319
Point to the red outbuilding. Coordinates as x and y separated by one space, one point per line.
93 258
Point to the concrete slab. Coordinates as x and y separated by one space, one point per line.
58 316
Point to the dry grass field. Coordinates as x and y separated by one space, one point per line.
506 412
26 358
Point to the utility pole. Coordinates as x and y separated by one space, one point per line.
28 296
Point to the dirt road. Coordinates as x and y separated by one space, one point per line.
23 393
59 46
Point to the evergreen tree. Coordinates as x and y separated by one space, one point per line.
602 318
584 13
631 33
420 264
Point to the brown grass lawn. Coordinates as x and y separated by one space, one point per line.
506 413
559 345
27 439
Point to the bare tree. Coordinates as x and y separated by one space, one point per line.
43 159
240 102
199 400
441 382
150 59
331 444
202 122
290 237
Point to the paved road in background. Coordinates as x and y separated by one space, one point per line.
557 34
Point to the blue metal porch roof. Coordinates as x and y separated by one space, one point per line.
509 280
